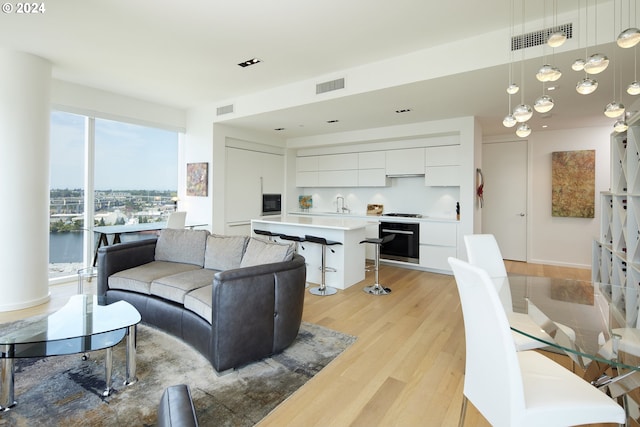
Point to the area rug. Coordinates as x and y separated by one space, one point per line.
66 391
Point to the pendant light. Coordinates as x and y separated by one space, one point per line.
614 109
558 37
628 38
586 86
543 104
523 130
631 36
596 63
578 65
620 125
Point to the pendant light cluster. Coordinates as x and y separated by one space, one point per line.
521 114
592 65
626 39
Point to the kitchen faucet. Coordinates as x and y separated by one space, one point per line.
344 208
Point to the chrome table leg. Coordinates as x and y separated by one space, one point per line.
131 356
108 367
7 374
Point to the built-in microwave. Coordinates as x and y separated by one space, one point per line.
271 204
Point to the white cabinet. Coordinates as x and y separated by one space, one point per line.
338 178
408 161
442 176
248 175
444 155
442 166
371 169
372 160
341 170
438 241
336 162
307 171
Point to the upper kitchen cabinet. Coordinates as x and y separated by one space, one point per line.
408 161
249 174
372 169
442 166
307 171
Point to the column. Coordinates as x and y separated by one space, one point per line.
25 84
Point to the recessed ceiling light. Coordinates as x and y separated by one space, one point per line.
333 121
403 110
552 87
248 62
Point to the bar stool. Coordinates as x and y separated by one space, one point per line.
377 288
323 289
271 236
299 240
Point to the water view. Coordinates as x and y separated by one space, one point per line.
66 222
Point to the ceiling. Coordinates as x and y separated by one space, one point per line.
185 53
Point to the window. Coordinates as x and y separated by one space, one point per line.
134 177
66 193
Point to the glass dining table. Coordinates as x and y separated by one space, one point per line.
594 324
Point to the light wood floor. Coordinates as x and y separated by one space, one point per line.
406 367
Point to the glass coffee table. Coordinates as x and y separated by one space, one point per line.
81 326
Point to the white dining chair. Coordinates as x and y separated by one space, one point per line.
176 219
526 388
483 251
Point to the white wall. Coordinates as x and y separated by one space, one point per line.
556 240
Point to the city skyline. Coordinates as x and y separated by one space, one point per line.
128 156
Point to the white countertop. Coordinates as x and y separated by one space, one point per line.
333 222
370 218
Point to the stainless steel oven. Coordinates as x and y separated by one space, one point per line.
405 246
271 204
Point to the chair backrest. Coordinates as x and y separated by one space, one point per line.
483 251
493 380
176 219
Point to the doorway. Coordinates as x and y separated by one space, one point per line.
504 212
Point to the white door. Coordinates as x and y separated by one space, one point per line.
504 167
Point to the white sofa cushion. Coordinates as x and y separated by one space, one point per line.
176 286
185 246
138 279
199 301
264 252
224 252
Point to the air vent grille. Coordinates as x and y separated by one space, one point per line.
224 110
330 86
540 37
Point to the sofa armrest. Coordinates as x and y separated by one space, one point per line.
122 256
176 408
252 307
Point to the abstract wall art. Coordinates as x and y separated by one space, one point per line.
197 179
573 183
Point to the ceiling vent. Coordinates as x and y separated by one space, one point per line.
224 110
330 86
538 38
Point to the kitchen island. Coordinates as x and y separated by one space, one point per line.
348 259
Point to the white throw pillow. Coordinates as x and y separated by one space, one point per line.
224 252
264 252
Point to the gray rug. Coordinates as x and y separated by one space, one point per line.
66 391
